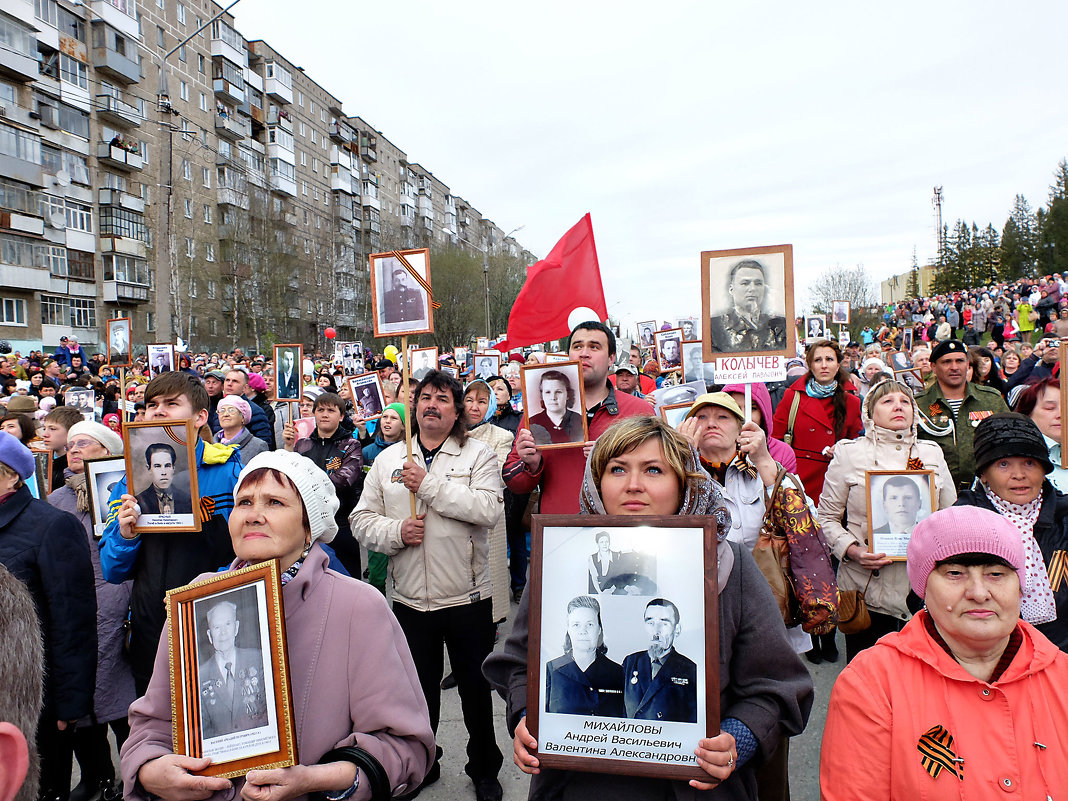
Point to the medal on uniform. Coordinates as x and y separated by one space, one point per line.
634 678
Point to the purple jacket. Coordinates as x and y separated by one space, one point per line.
351 677
779 450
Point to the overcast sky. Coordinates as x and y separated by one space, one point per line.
684 127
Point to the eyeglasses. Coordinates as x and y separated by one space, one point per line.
80 444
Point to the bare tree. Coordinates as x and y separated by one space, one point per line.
843 283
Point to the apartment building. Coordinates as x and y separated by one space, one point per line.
196 182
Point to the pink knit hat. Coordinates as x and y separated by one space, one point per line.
957 530
240 404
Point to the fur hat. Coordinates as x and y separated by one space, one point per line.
313 485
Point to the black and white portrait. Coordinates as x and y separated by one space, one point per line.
748 298
459 355
83 399
423 360
906 340
402 303
901 361
584 680
101 477
620 571
815 327
690 329
367 396
669 350
840 312
288 360
161 474
693 368
119 342
487 364
674 413
897 501
160 358
646 331
552 400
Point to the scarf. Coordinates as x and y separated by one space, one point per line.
816 390
702 496
289 572
1036 603
224 441
76 483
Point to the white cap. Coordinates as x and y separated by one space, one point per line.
314 486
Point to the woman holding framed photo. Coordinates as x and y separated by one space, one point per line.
890 442
641 466
350 671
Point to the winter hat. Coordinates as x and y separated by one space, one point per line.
400 410
218 375
22 404
957 530
313 485
1008 434
870 361
255 380
312 392
16 455
240 404
101 433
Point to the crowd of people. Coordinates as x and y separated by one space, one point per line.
963 389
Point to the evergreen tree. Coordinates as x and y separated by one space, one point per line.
1053 228
1019 241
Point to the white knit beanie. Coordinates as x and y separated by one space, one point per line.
314 486
101 433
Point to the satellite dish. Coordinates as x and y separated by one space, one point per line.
57 220
62 178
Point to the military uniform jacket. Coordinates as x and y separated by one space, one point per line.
979 402
597 690
671 695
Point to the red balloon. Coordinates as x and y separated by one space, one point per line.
330 333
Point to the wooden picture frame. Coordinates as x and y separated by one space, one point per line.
265 736
815 328
674 413
479 366
1062 351
694 371
420 365
694 325
675 580
906 339
158 451
908 499
83 399
101 474
119 334
288 384
766 327
153 354
459 355
371 404
400 287
646 334
451 371
572 429
901 362
841 311
669 337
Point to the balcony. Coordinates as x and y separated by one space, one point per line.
125 292
368 154
23 223
342 133
23 66
12 112
114 197
372 202
117 111
344 210
280 118
279 89
231 126
116 65
374 226
407 220
124 245
228 91
280 183
341 182
230 196
118 157
294 312
120 15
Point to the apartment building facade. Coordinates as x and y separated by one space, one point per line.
198 183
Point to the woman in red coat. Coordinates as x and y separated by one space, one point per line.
828 410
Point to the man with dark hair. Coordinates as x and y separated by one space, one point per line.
163 497
21 672
54 436
333 449
901 505
559 471
158 562
439 559
403 302
660 683
747 325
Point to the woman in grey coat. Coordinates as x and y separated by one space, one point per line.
114 681
234 414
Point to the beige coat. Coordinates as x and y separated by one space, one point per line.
462 497
843 506
501 441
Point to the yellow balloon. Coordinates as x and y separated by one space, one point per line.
391 353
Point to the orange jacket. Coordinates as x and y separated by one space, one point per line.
893 693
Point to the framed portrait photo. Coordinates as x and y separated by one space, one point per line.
901 361
101 476
906 340
421 361
691 329
160 358
42 472
367 396
161 473
450 370
747 300
229 672
840 310
693 366
607 595
897 501
674 413
815 327
646 333
669 350
481 343
487 364
119 351
459 355
400 281
288 363
554 404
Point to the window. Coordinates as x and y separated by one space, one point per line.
315 166
221 68
301 125
73 71
183 90
211 289
303 161
19 144
150 321
187 170
69 24
307 246
7 92
126 269
203 102
207 214
82 313
45 10
80 264
200 63
79 217
181 14
205 176
160 36
304 188
57 260
73 120
123 222
188 209
311 107
13 311
300 101
190 248
192 287
17 37
209 255
54 310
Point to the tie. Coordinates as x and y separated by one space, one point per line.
229 674
166 506
657 664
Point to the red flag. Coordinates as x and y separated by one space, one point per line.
568 278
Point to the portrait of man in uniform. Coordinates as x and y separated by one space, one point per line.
233 694
659 683
748 300
119 342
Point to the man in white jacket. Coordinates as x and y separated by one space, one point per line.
439 560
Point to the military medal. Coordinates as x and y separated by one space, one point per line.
634 678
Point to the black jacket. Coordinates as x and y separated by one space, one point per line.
341 457
260 399
1051 532
46 550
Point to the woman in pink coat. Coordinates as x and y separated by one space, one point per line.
351 673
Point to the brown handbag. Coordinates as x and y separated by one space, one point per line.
853 616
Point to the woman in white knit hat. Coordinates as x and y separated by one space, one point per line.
114 690
361 722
